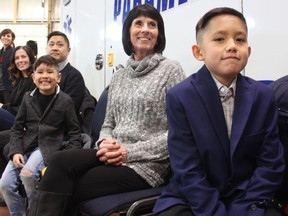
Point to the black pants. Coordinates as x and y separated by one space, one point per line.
80 173
183 210
5 96
177 210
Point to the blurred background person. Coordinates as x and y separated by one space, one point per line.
19 71
34 46
7 37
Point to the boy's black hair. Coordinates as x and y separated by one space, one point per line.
58 33
203 22
145 10
46 59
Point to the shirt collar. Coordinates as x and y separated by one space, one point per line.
62 64
221 86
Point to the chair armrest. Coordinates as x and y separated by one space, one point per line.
145 203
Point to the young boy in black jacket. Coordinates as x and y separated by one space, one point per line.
45 116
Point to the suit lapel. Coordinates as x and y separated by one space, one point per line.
242 108
208 91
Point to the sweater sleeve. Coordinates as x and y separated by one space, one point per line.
154 149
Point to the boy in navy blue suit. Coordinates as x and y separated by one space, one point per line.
223 140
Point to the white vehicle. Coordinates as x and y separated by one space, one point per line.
95 29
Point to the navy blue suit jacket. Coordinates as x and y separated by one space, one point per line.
214 175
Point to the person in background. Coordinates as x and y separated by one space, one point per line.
223 141
20 71
72 82
280 88
7 37
33 45
45 116
132 151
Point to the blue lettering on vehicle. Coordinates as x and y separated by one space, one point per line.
124 9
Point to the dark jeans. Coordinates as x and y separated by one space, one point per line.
81 174
5 96
7 120
4 139
183 210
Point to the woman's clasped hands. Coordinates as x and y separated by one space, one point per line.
111 152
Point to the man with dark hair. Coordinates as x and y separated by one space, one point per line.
72 82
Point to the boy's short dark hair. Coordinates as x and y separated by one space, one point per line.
203 22
58 33
46 59
8 31
145 10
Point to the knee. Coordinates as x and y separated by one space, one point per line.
26 173
28 178
1 185
5 185
59 159
3 189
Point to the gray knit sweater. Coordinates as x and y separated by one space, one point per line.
136 114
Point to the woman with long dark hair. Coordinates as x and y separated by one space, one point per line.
20 71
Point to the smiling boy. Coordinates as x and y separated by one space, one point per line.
45 116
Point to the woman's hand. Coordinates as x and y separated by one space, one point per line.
1 105
18 160
111 152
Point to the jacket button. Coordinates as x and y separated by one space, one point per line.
253 207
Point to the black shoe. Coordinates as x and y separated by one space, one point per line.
2 202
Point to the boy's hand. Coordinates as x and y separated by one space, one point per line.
18 160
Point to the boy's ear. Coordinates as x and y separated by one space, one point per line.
249 50
59 76
33 77
196 50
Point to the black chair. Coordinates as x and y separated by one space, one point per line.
131 203
266 82
99 115
86 111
